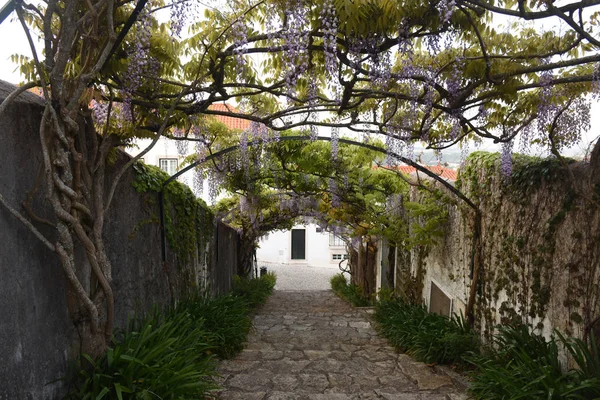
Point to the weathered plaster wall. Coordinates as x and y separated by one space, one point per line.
37 337
540 249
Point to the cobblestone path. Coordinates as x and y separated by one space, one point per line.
312 345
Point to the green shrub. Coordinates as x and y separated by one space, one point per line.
256 291
226 320
171 355
425 336
168 359
351 293
338 283
522 365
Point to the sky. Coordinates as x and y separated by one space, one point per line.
14 42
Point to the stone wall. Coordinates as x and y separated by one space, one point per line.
540 247
37 337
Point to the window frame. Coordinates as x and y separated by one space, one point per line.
169 161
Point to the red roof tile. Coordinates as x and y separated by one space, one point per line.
230 122
443 172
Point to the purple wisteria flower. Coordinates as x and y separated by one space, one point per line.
180 12
181 145
295 37
506 163
446 9
335 138
99 112
198 181
333 189
329 23
138 63
240 40
596 82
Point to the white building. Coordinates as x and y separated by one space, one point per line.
169 154
306 245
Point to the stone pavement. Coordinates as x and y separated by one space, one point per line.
312 345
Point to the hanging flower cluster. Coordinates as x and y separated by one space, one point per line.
446 9
546 107
330 32
335 139
214 181
596 82
295 37
138 63
240 40
565 123
180 12
506 159
333 189
99 112
453 83
182 145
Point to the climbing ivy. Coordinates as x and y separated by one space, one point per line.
529 174
525 216
188 220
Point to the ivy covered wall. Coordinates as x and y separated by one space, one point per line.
37 337
540 245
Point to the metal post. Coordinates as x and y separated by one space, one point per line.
163 237
6 10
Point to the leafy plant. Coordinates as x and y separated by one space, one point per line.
351 293
256 291
188 220
523 365
168 358
226 320
171 355
426 336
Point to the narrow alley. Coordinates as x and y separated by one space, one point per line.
312 345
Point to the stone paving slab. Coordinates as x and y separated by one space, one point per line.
312 345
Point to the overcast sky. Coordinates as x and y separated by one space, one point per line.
15 42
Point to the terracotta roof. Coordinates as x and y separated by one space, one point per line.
446 173
230 122
443 172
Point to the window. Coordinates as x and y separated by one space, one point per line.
319 229
339 257
298 244
335 241
169 165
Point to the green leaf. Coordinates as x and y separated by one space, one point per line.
103 393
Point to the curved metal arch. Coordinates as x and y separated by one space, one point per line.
221 153
475 262
326 138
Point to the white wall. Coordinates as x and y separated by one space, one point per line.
165 148
276 248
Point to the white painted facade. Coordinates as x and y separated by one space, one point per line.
166 150
322 249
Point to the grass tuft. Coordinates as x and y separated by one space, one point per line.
351 293
426 336
256 291
523 365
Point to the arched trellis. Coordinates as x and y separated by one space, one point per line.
475 251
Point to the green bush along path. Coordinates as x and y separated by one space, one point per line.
313 345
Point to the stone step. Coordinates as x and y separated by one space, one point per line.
314 346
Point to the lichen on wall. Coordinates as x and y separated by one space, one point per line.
540 245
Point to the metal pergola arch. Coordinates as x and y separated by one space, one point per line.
477 226
303 138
